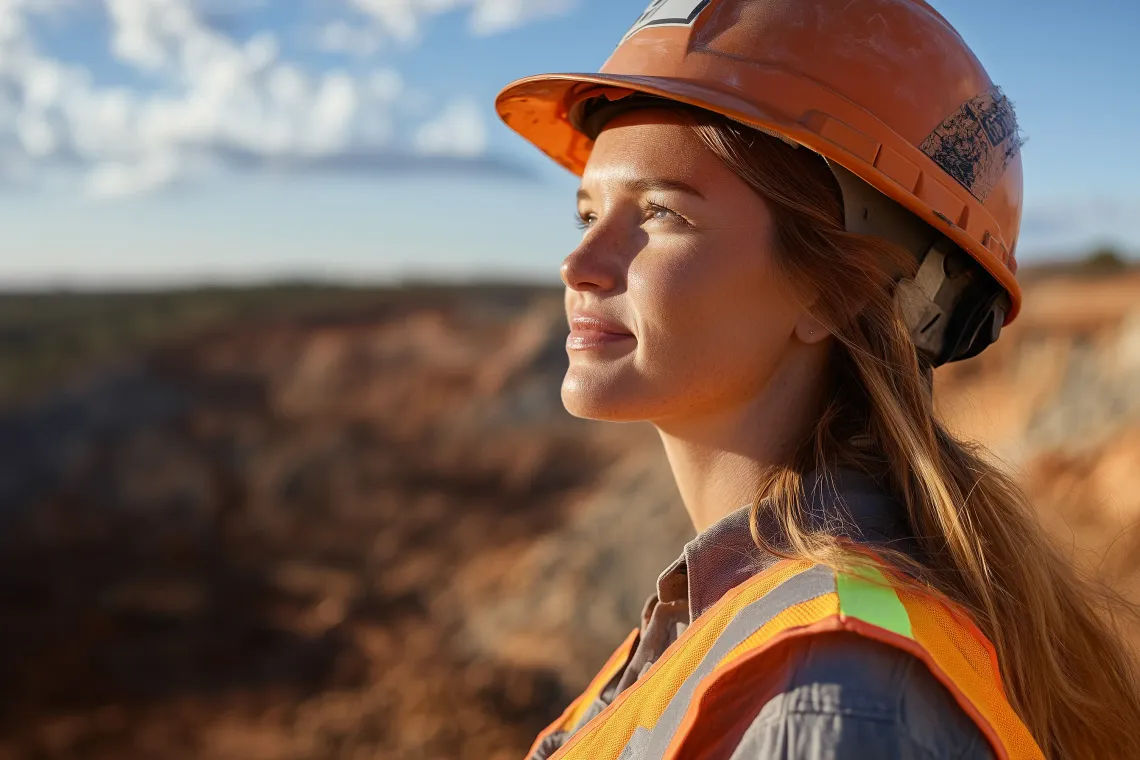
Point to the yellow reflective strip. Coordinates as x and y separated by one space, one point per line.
647 702
806 613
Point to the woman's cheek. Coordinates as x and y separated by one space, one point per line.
674 268
678 305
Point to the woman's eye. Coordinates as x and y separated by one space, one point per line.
584 221
663 214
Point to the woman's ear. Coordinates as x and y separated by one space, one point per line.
810 330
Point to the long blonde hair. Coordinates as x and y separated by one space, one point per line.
1066 668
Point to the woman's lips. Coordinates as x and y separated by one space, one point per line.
592 332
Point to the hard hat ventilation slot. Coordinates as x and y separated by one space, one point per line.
953 308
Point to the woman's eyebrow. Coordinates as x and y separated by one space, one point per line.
647 184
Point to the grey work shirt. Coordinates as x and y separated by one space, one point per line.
840 696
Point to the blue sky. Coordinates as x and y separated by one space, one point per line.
175 141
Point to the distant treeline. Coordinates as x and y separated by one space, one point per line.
1101 262
48 337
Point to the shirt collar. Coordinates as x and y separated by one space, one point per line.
724 555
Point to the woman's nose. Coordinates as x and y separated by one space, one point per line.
593 266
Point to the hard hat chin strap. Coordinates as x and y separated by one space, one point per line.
952 307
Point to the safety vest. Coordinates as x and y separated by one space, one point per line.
698 691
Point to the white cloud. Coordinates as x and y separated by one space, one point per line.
342 37
459 130
403 20
113 179
217 101
400 18
493 16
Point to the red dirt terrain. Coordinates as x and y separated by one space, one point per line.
1058 400
376 533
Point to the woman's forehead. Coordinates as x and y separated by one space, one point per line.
642 156
640 143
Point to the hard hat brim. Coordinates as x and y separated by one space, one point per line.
539 109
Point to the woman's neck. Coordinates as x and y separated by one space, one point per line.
720 457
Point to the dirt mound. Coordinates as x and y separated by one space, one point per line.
261 543
376 533
1058 399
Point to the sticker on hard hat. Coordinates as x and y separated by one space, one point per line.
976 143
668 13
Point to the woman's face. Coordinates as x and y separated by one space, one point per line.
673 299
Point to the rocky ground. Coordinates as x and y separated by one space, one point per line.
1058 400
374 533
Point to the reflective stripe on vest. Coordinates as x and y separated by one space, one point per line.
665 709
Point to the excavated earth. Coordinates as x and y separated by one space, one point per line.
378 535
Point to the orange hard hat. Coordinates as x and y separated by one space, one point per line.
886 90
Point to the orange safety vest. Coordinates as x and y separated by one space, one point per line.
699 692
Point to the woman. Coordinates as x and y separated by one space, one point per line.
792 212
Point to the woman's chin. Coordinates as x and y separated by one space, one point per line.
590 397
